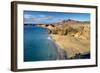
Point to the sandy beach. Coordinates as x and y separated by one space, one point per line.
71 45
72 37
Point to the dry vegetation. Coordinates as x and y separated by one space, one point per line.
71 36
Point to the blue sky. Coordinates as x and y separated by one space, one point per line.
41 17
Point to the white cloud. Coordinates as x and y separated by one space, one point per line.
41 18
42 15
27 16
37 18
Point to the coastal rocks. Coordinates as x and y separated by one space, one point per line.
71 36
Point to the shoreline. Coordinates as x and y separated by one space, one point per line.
70 50
61 54
75 46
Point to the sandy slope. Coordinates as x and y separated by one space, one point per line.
74 43
71 36
71 45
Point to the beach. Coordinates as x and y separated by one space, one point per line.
72 37
71 45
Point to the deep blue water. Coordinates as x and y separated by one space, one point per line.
37 44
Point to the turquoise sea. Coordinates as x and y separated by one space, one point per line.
38 45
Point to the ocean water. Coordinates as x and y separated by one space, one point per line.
38 45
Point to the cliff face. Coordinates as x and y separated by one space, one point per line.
70 27
72 36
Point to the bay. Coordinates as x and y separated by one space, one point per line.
38 45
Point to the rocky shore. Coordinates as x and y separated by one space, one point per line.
71 36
